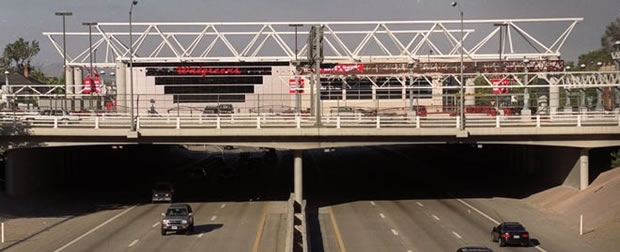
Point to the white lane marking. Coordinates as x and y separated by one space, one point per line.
213 218
133 243
409 250
540 249
223 205
156 223
478 211
457 235
435 216
394 232
94 229
382 216
419 204
491 219
200 235
372 203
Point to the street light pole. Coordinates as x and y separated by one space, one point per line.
462 93
64 52
90 57
297 92
133 124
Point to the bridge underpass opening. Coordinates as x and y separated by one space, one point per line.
127 173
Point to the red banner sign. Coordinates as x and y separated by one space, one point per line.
188 70
343 69
292 86
497 85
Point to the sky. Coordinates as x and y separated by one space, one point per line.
29 18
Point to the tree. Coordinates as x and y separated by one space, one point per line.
591 58
612 34
19 54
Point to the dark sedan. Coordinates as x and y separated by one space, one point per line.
510 233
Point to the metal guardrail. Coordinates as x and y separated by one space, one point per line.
168 121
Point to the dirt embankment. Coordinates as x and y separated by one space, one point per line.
599 203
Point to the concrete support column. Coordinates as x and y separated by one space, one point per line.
374 93
298 171
437 91
121 94
584 169
568 107
403 93
69 105
470 89
583 107
554 99
77 85
599 99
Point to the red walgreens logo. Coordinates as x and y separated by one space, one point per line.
186 70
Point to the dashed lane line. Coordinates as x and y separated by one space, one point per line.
200 235
223 205
419 204
213 218
394 232
435 217
155 225
133 243
382 215
95 229
373 203
457 235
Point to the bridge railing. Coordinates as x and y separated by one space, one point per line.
247 121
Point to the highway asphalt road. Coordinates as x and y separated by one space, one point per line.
221 226
426 225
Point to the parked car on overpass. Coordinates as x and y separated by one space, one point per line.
49 114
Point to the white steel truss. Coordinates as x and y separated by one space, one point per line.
567 80
366 41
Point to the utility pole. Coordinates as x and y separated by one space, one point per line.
315 55
297 91
64 52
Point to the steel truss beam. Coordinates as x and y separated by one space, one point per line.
568 80
367 41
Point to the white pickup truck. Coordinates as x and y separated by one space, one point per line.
49 115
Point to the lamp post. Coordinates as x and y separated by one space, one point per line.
90 57
297 94
64 52
133 123
462 93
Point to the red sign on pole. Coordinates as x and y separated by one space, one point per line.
293 88
497 85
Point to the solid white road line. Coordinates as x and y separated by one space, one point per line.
94 229
435 216
491 219
457 235
155 225
372 203
223 205
478 211
419 204
382 216
133 243
213 218
394 232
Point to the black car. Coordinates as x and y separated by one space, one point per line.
474 249
178 218
162 192
510 233
219 109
